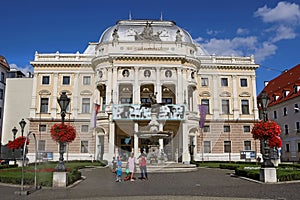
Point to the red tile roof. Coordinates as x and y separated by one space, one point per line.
284 82
3 62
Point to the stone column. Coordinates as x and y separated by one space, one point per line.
158 85
235 98
216 108
75 97
111 146
179 87
115 86
255 110
136 139
185 154
54 96
109 86
136 87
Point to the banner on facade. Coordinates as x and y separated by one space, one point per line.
202 111
138 112
94 115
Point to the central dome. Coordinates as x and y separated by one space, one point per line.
145 30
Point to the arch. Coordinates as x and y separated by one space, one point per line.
100 130
193 131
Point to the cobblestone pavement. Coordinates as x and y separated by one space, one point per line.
203 184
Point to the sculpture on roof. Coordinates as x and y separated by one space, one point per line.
147 34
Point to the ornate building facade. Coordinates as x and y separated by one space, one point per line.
133 61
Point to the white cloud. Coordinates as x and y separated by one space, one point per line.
283 12
237 46
283 33
265 51
242 31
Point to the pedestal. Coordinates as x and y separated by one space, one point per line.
60 179
268 175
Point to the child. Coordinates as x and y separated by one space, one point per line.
119 170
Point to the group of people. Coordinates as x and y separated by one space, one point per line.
130 167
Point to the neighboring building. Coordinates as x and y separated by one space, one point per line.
4 68
133 60
17 103
284 94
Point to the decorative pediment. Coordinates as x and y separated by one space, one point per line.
44 92
204 94
86 93
225 94
245 94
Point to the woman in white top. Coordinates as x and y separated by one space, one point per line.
131 165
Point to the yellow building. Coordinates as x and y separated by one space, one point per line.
133 61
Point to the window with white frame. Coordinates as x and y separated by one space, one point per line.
224 82
207 147
42 127
226 128
296 108
227 146
86 107
244 82
205 102
204 82
86 80
246 129
247 145
66 80
44 105
225 106
84 128
45 80
245 107
84 146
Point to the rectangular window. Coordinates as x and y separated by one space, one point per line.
247 145
46 80
167 100
145 100
224 82
84 146
66 80
41 145
204 82
206 129
86 80
286 129
126 100
275 114
44 105
1 94
246 129
287 147
244 82
42 127
85 128
207 147
298 147
225 106
2 77
245 107
227 146
298 127
226 128
86 107
284 111
205 102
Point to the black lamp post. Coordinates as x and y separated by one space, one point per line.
14 130
264 100
63 102
22 125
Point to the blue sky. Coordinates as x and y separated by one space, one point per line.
267 29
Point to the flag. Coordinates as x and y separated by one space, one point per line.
202 111
94 117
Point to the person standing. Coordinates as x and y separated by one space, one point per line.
131 165
143 166
119 169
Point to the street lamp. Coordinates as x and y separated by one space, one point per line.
14 130
22 125
264 100
63 102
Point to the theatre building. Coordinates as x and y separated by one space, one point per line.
137 64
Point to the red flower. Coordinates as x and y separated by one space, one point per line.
63 133
268 130
18 143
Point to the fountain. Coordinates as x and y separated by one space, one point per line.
153 133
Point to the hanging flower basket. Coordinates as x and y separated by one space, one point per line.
63 133
268 130
18 143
